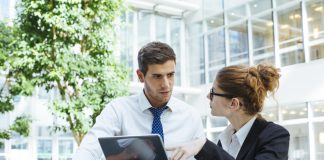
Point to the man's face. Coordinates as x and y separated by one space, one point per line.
158 82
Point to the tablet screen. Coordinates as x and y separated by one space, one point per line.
145 147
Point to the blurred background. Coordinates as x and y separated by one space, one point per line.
206 36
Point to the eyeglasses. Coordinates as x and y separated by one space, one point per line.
212 93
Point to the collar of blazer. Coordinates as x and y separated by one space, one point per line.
257 127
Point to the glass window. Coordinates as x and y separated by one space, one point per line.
319 140
281 2
238 41
18 142
196 59
258 6
294 111
290 27
2 146
315 13
299 142
4 9
65 149
175 26
317 52
318 108
144 21
217 121
216 52
212 7
44 131
126 43
160 28
238 13
215 21
270 113
293 57
195 29
262 30
44 149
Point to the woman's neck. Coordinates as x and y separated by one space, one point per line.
238 121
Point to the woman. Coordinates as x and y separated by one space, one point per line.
238 93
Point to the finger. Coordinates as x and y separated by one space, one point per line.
178 155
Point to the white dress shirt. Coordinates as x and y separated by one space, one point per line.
232 142
130 116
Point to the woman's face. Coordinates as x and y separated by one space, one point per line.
220 105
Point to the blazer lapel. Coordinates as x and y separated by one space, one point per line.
258 125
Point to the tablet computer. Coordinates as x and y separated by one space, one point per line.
144 147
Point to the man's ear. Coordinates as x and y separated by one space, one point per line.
140 75
235 104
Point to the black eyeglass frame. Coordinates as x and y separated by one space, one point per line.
212 93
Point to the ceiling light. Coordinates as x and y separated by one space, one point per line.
269 24
297 16
292 112
321 138
255 5
318 9
309 19
212 21
315 33
285 26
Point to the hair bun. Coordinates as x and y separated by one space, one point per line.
269 76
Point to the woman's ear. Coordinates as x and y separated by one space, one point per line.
140 75
235 104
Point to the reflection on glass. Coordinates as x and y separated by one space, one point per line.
290 27
18 142
270 113
319 140
294 111
160 28
315 13
262 29
238 13
144 22
215 21
293 57
216 52
298 145
318 108
317 52
196 59
217 121
258 6
175 25
238 41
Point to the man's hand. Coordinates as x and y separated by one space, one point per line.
187 150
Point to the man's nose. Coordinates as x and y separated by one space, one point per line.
165 82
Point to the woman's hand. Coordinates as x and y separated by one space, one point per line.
187 150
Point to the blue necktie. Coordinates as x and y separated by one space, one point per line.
157 125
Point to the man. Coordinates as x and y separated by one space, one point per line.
176 122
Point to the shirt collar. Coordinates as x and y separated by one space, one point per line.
241 134
244 130
145 104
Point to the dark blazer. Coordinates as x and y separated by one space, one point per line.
265 140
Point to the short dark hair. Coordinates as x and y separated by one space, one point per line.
154 53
